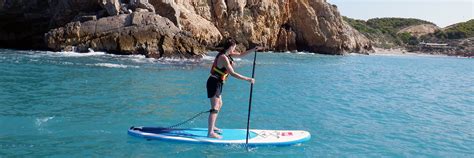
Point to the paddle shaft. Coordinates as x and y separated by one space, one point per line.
250 99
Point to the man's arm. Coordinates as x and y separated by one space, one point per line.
238 54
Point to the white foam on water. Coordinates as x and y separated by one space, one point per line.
69 54
290 52
305 53
67 63
111 65
40 121
168 60
461 57
140 59
208 58
355 54
211 58
76 54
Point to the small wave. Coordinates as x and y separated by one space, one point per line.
291 52
76 54
208 58
211 58
305 53
39 54
110 65
67 63
139 59
462 57
355 54
167 60
40 121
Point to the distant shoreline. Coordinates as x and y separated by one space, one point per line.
401 51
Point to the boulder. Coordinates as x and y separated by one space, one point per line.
167 9
137 33
111 6
142 4
202 30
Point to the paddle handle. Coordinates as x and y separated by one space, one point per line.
250 99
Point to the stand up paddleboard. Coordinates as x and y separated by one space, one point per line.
250 137
229 136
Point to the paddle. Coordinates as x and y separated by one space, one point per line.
250 99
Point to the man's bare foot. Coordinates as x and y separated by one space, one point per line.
214 135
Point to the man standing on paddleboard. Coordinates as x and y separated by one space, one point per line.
221 68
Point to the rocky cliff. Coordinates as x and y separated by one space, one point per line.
183 28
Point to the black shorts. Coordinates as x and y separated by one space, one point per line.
214 87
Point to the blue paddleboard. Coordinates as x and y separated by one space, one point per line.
229 136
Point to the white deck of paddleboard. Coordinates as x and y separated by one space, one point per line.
262 137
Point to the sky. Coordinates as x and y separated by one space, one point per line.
441 12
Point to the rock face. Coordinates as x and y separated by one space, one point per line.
167 9
111 6
138 5
185 28
282 25
137 33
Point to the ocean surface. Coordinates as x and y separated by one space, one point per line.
66 104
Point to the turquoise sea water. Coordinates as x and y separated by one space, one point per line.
81 105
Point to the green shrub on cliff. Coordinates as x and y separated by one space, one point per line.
393 25
369 32
361 26
440 34
407 38
458 31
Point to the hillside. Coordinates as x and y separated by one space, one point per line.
457 31
389 33
393 25
384 32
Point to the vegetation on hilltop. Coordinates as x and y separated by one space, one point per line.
393 33
457 31
384 31
361 26
393 25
